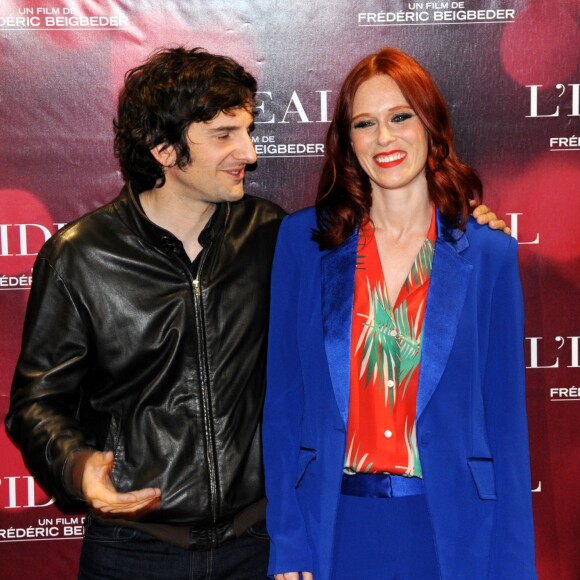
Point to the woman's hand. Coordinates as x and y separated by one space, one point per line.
484 216
294 576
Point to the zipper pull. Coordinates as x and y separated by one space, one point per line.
196 287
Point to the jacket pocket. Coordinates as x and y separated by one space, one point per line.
305 457
483 473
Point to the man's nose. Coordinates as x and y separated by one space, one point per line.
246 151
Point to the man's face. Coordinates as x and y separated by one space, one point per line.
220 149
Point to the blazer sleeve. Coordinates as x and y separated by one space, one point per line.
504 391
46 387
283 410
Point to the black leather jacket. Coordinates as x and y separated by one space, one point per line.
125 349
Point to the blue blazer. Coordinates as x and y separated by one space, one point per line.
471 408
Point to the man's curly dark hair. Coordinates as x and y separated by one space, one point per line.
162 97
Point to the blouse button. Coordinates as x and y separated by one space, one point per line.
390 383
393 332
388 433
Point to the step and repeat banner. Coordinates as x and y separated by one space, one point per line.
509 70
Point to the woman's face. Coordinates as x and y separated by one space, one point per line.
388 138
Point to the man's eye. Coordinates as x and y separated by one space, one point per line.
223 136
362 124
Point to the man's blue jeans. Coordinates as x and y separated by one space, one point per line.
121 553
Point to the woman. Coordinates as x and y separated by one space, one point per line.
395 434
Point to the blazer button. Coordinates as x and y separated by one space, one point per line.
425 438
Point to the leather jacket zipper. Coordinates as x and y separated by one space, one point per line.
204 384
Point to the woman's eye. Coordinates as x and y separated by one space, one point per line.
400 117
362 124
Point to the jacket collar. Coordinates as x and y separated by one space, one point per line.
450 278
447 292
132 214
449 234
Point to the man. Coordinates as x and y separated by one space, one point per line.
141 380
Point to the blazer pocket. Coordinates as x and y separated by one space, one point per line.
305 457
483 473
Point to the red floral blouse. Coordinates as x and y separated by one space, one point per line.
385 355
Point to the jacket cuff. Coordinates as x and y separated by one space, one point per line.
73 473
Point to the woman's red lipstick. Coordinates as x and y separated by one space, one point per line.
388 159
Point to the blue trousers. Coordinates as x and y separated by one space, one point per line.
384 538
121 553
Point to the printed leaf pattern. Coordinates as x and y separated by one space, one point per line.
386 346
390 340
413 465
421 269
378 363
352 463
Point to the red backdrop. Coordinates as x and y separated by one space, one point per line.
509 70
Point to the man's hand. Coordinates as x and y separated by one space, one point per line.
484 216
101 495
293 576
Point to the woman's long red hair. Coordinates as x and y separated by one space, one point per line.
343 201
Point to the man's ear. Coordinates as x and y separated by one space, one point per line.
165 155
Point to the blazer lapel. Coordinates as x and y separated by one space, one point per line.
450 277
337 278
